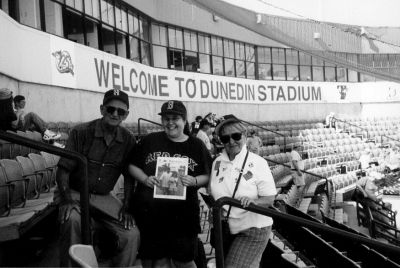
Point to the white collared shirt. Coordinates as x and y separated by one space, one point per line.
256 181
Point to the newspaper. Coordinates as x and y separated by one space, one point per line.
168 173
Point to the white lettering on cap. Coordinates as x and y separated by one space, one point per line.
116 92
170 105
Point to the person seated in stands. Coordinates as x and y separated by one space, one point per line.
366 185
195 126
330 120
254 143
297 165
7 115
106 145
217 144
31 121
256 186
212 118
203 134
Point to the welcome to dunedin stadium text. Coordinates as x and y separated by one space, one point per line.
113 75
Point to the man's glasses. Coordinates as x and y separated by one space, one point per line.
237 136
112 109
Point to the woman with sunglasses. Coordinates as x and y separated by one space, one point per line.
169 227
256 185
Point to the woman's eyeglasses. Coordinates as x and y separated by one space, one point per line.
112 109
237 136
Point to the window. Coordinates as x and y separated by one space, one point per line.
341 74
92 37
292 72
204 44
279 72
191 62
175 38
144 29
216 46
107 12
190 40
229 67
159 34
29 13
239 51
108 40
278 56
121 44
330 74
305 73
292 57
160 56
318 73
76 4
73 27
304 58
250 70
145 50
217 65
205 63
229 49
53 18
264 72
240 69
352 76
134 48
250 56
264 54
176 59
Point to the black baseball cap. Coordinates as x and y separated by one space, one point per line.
116 94
229 118
173 107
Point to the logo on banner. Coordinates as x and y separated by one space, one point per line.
342 91
63 62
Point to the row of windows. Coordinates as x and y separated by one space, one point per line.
116 28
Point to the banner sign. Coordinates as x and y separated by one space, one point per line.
60 62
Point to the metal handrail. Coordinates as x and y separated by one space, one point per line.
82 165
146 120
263 128
217 217
304 171
350 124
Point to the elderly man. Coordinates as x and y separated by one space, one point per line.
106 145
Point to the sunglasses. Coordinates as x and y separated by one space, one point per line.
112 109
237 136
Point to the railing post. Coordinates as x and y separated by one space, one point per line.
219 251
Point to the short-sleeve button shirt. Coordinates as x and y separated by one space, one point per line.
256 181
105 162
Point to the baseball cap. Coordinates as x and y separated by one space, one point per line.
173 107
229 118
116 94
5 93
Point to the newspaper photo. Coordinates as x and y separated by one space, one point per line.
168 172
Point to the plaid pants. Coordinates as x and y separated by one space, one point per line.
247 248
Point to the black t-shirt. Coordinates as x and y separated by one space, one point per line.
165 217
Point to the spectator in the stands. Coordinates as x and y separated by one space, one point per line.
195 126
106 146
203 134
217 144
254 143
330 120
7 114
31 121
256 186
297 166
169 227
211 117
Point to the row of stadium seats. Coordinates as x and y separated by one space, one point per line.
27 185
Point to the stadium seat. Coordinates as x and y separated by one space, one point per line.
83 256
